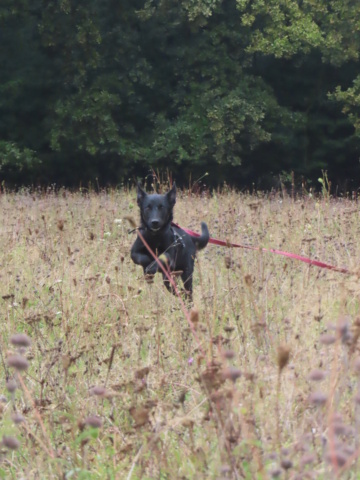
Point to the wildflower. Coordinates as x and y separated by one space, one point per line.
11 443
18 362
20 340
93 421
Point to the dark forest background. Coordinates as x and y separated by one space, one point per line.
246 90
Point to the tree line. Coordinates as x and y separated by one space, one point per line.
245 90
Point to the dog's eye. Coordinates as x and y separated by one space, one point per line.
148 208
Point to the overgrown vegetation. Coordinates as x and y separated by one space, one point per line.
104 377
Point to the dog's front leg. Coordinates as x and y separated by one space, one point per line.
187 278
154 266
146 261
140 256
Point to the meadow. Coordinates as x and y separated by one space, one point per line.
108 376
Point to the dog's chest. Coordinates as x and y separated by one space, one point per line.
171 243
159 242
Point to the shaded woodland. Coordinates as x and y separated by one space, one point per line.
104 91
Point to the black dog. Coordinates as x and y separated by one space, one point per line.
175 247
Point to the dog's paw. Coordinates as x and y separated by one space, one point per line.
151 269
149 278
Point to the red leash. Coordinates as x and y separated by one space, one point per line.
316 263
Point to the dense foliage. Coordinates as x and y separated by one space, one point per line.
243 89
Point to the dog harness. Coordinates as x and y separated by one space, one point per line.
178 240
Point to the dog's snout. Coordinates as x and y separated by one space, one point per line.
155 223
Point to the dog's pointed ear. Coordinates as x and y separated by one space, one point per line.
141 194
171 195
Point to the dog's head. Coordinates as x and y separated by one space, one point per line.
156 210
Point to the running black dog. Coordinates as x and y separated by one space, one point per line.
173 245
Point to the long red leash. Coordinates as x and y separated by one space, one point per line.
316 263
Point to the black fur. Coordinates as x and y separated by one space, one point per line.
156 212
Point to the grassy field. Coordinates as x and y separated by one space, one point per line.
263 382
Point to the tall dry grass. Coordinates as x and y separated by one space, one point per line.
109 381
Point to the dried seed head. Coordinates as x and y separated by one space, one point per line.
273 456
231 373
98 391
317 398
338 457
60 225
182 397
18 362
228 329
20 340
327 339
348 449
307 459
283 356
131 220
11 385
217 397
337 417
17 418
229 354
276 473
227 261
340 428
286 463
249 376
225 470
194 315
66 361
108 279
9 296
317 375
285 451
187 422
11 443
248 280
343 330
24 302
93 421
142 373
357 366
141 415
